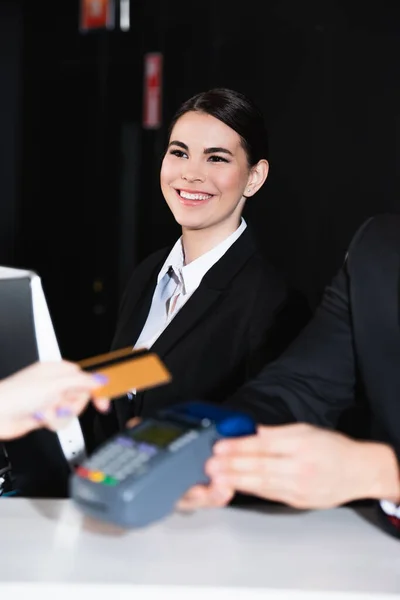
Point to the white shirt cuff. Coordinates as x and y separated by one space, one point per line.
390 509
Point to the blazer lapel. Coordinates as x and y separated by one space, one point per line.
139 298
188 316
210 290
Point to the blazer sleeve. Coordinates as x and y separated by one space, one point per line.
314 380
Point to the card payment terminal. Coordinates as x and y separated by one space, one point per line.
138 475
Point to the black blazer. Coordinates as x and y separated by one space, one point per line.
240 317
350 349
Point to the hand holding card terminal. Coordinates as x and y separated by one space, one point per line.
138 476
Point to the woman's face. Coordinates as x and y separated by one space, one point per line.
204 173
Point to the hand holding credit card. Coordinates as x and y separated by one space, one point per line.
127 369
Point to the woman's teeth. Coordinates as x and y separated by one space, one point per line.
188 196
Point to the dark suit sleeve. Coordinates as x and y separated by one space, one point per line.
314 380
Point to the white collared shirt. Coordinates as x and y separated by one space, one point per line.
189 277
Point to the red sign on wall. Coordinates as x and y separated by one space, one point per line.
152 97
97 14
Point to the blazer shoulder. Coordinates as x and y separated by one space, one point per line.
383 229
152 259
277 306
142 272
277 313
276 291
148 264
271 280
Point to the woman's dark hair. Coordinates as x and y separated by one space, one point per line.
236 111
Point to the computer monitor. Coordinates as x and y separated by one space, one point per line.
26 336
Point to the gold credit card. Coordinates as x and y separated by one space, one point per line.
127 370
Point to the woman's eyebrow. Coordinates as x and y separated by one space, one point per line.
180 144
206 150
212 150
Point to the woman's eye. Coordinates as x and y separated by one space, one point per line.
216 158
178 153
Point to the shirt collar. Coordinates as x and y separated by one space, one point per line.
192 274
175 260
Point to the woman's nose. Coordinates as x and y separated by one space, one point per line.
192 174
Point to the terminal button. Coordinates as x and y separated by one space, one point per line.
82 472
125 442
236 425
96 476
147 449
110 481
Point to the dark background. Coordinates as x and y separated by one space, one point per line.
79 193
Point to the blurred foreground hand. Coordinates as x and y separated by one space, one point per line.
47 394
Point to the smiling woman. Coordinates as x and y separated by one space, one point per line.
210 307
206 178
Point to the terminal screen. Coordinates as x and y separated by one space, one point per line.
158 434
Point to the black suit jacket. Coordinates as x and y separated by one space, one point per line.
240 317
350 349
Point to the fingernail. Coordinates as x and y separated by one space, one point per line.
100 378
38 416
63 411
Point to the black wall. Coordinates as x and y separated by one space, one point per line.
76 87
326 74
10 132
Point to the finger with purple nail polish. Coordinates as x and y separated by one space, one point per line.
101 379
63 412
39 416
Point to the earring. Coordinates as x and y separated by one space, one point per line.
249 189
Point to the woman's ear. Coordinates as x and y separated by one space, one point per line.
257 177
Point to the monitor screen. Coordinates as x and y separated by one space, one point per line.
26 336
18 347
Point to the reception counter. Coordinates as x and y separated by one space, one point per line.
49 549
